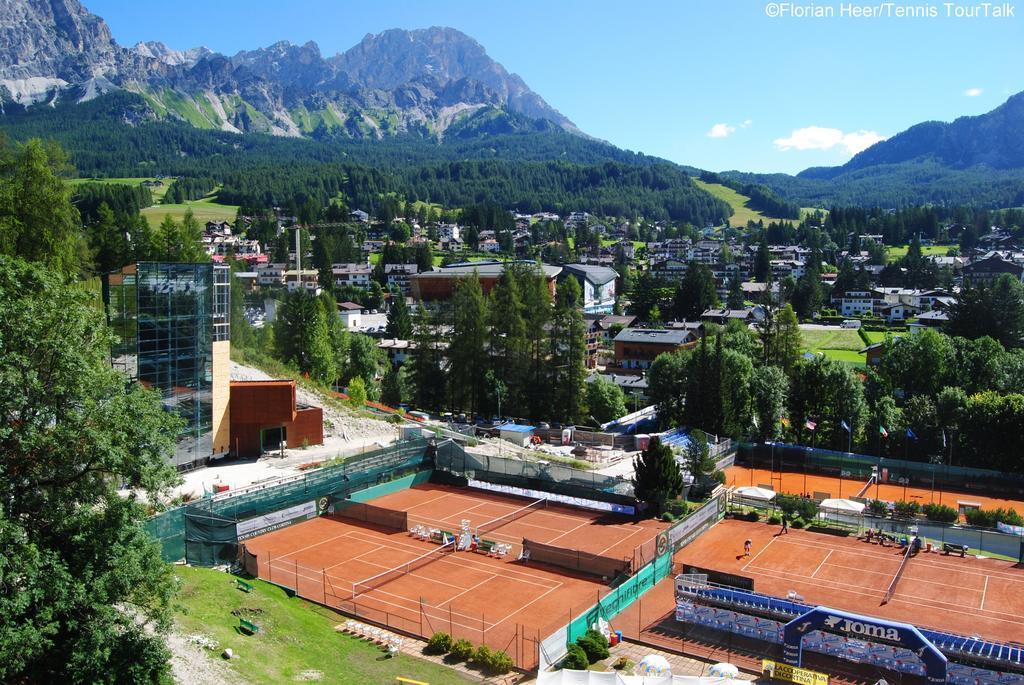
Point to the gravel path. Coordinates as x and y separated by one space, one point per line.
193 665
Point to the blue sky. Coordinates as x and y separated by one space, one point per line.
717 84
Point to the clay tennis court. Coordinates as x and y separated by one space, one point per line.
501 602
609 535
941 592
794 483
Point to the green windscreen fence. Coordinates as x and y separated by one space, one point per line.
535 475
787 457
210 538
616 601
204 532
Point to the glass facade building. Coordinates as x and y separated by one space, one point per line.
167 318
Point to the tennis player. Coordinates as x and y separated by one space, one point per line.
746 547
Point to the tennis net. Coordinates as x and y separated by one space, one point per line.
899 574
867 486
509 518
363 586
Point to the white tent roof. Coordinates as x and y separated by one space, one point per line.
566 677
846 506
754 492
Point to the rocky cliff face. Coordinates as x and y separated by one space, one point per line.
420 82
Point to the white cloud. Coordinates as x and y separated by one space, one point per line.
820 138
721 131
746 123
973 92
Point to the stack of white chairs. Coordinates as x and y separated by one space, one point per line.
420 532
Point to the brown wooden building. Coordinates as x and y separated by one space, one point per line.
264 415
440 283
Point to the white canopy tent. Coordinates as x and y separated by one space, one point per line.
755 492
842 506
567 677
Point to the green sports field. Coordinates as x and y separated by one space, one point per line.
899 251
841 344
204 210
295 639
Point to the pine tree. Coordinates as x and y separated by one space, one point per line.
540 390
656 476
569 352
696 293
508 343
303 336
426 370
399 322
467 354
735 299
763 261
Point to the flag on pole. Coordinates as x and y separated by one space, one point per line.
911 435
884 433
810 425
845 426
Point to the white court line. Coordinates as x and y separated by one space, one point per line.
571 530
523 607
937 563
822 563
452 599
315 544
898 597
417 609
472 563
758 554
619 541
983 593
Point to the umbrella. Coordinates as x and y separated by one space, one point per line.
843 506
653 664
754 492
724 671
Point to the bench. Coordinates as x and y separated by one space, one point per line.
485 547
243 586
953 548
248 627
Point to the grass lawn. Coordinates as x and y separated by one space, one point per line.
841 344
900 251
879 336
204 210
294 636
158 193
742 213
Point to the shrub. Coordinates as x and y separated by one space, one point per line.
906 510
500 663
668 517
483 656
462 650
753 516
775 520
797 506
878 507
594 645
439 643
988 518
576 659
796 523
940 512
623 664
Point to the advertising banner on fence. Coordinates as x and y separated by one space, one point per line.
276 519
554 497
802 676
